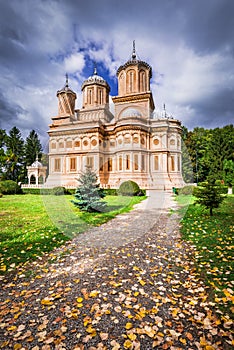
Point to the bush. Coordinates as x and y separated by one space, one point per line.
9 187
110 192
186 190
129 188
58 191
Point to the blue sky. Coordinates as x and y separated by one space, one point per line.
188 43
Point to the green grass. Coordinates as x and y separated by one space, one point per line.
31 225
212 238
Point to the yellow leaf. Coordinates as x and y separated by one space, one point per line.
208 347
79 300
93 293
183 341
132 336
46 302
127 344
128 325
17 346
142 282
79 305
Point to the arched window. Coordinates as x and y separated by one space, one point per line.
90 96
142 81
131 81
32 180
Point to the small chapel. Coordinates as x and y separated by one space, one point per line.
133 143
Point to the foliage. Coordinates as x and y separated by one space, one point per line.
228 169
58 191
33 148
207 150
187 168
209 194
88 196
212 238
186 190
9 187
14 156
129 188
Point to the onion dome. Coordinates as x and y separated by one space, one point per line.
95 79
37 164
135 61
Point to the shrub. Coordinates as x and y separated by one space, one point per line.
9 187
110 192
129 188
186 190
58 191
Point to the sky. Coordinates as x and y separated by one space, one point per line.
189 45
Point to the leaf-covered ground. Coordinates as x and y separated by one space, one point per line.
141 294
213 239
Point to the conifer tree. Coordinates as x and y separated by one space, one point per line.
33 148
89 194
209 194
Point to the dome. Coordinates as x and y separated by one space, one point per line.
95 79
36 164
134 61
130 112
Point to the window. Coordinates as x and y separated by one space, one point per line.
172 163
156 166
101 164
77 143
136 166
72 164
142 81
178 163
127 162
90 96
61 145
100 97
57 164
120 163
142 162
109 164
53 145
89 162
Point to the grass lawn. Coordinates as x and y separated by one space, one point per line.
31 225
212 238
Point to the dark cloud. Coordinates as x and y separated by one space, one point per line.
188 43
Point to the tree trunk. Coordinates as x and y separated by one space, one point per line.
211 211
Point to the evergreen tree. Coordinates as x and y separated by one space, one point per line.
14 155
33 148
2 152
89 194
209 194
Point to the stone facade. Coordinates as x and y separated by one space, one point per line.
132 144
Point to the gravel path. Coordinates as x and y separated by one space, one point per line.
128 284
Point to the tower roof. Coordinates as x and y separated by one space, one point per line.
95 79
134 60
66 88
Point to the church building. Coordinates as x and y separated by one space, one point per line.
131 144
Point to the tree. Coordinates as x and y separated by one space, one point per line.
14 155
228 168
2 151
209 194
89 194
33 148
